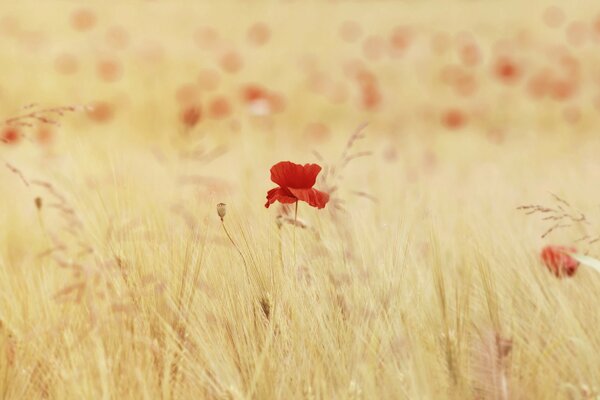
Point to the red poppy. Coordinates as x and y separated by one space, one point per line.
190 116
296 183
10 135
558 260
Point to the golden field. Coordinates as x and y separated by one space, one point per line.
126 123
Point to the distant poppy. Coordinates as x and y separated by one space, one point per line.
507 70
258 34
83 19
109 70
350 31
117 37
10 135
219 108
101 111
208 79
454 118
44 135
231 62
553 17
558 260
296 183
190 116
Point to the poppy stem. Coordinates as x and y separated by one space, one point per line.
281 249
234 245
295 229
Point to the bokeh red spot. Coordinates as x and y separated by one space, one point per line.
539 84
570 64
256 99
465 84
206 37
83 19
44 134
66 64
117 37
576 33
563 89
595 28
109 70
101 112
460 79
507 70
350 31
209 79
470 54
352 67
261 101
9 25
187 93
596 102
373 48
365 77
319 82
219 108
231 62
370 97
277 102
258 34
400 39
553 17
317 132
190 115
454 118
11 135
253 92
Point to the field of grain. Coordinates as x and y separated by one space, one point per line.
457 139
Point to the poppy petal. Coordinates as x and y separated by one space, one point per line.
291 175
314 197
559 261
280 194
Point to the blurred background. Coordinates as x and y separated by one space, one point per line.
125 123
154 70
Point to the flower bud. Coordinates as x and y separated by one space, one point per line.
221 210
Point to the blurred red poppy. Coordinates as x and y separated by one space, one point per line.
454 118
10 135
258 34
296 183
83 19
558 260
190 116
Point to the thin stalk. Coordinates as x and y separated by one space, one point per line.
295 228
234 245
280 247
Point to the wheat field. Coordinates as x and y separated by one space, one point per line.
456 140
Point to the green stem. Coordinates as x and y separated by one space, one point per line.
295 228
